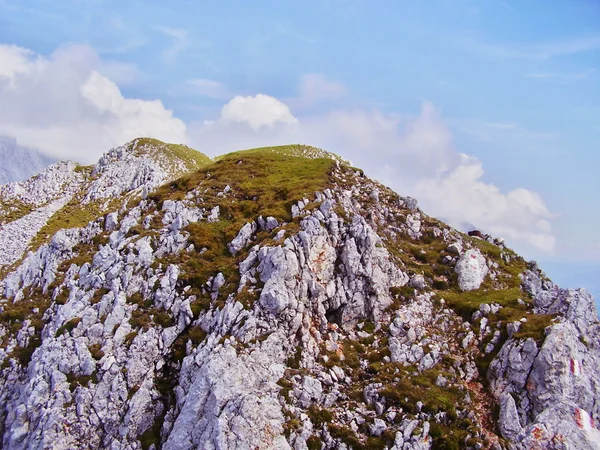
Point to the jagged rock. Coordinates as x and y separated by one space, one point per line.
243 237
471 269
112 221
214 214
508 422
271 223
455 248
143 325
378 427
311 391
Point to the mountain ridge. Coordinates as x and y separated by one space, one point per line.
270 300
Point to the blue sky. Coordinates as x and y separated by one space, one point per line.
401 88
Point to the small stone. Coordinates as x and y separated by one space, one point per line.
378 427
485 309
455 248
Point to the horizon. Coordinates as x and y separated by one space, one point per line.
442 102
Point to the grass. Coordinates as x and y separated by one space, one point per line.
32 307
176 154
73 215
421 387
319 416
13 209
295 150
466 303
81 380
69 326
151 436
266 182
195 335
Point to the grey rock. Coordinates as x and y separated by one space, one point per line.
242 238
508 421
378 427
418 282
455 248
471 269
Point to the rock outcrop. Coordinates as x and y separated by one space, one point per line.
319 310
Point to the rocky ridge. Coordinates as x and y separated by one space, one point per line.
278 298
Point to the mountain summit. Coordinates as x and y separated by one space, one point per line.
274 298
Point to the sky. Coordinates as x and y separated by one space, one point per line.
487 112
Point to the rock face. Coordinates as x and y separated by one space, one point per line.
216 311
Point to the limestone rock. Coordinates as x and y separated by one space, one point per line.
471 269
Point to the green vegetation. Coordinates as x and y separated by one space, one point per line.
144 317
286 387
32 307
351 439
81 380
195 335
466 303
263 182
69 326
295 150
73 215
314 443
152 435
319 416
414 387
96 351
175 153
293 362
13 209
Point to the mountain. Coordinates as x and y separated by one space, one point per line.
274 298
19 163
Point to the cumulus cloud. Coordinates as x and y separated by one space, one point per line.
460 194
413 155
258 112
65 105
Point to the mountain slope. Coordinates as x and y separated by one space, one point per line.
19 163
67 195
278 298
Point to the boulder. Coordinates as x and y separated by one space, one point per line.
471 269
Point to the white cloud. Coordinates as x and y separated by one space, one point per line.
461 195
64 106
414 156
16 61
259 111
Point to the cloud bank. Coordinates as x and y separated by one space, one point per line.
67 107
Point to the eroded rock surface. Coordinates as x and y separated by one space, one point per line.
184 318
